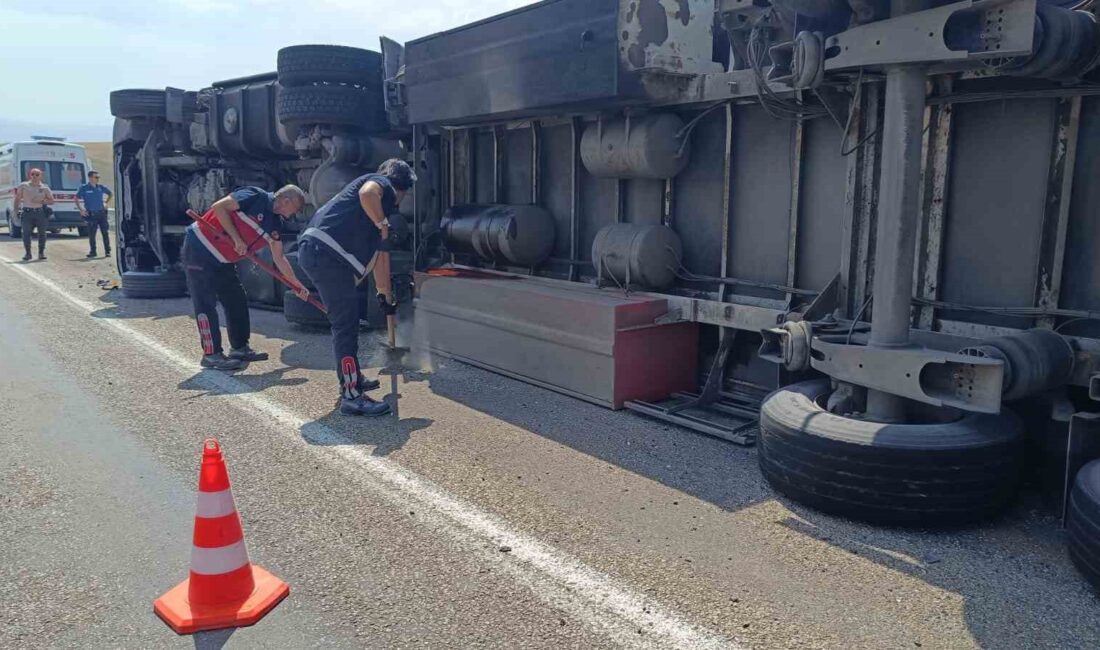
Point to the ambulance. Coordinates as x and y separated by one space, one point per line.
64 168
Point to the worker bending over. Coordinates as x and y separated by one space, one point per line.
242 223
347 239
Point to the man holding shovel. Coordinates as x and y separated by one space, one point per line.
347 239
235 226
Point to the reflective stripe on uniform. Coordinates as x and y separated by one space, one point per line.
327 240
215 504
252 223
216 561
209 244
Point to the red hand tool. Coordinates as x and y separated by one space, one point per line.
270 270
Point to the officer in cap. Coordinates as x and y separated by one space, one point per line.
345 240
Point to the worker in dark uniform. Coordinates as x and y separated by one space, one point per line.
92 200
347 239
242 223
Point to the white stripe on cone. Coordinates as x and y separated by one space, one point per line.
215 504
216 561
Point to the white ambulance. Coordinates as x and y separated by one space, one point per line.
64 169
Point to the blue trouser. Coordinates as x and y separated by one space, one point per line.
210 282
97 220
335 281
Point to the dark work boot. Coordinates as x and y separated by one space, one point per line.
92 254
365 385
246 353
220 362
363 405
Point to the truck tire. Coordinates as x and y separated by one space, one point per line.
303 277
1083 523
301 65
930 475
14 231
300 312
339 105
154 284
82 231
133 103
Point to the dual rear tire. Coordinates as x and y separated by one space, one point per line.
304 65
330 84
953 471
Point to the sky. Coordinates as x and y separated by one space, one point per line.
61 58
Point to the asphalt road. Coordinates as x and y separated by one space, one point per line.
492 514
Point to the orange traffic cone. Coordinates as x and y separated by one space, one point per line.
224 588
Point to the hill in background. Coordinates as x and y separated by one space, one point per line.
100 159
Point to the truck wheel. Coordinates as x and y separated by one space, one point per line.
301 65
300 312
1083 523
82 231
14 231
931 474
340 105
155 284
133 103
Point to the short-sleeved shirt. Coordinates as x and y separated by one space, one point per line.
33 196
93 196
344 227
256 222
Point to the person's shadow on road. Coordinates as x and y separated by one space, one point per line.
384 433
118 306
203 383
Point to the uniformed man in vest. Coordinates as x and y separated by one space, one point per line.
347 239
244 222
32 196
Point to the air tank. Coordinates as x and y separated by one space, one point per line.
644 256
520 235
346 159
647 146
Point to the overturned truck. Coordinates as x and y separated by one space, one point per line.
859 234
316 123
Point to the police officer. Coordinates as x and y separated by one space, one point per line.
243 222
92 199
346 240
33 196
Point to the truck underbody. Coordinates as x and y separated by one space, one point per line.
873 224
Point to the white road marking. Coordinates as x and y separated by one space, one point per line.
602 602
